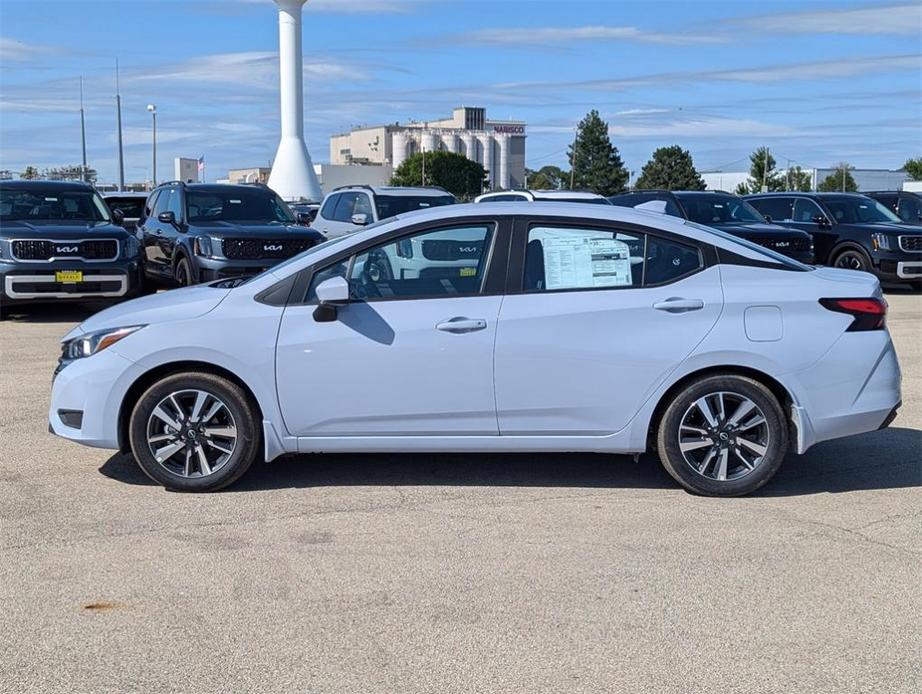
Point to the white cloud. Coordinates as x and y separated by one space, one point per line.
354 6
892 19
543 36
14 51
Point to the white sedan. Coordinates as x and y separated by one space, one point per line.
492 327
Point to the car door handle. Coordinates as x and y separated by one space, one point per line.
677 304
460 324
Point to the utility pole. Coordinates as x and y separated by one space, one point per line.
765 172
152 109
422 149
787 178
118 110
573 158
82 133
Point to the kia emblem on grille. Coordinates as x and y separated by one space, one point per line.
66 249
468 249
271 247
782 244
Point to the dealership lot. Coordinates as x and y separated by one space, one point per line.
455 572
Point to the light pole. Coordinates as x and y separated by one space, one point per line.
153 112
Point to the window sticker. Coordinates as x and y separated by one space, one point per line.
235 202
577 261
47 199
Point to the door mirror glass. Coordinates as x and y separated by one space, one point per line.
821 220
167 217
333 291
304 219
360 218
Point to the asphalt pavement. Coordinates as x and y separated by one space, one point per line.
455 573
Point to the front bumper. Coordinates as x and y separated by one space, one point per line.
211 269
34 282
897 266
94 386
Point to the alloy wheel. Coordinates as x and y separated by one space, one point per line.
723 436
850 260
191 433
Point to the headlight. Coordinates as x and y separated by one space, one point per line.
5 255
130 247
91 343
880 242
206 246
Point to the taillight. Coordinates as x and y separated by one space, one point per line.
869 314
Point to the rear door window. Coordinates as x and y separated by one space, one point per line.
327 210
779 209
571 258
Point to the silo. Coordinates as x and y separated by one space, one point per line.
503 181
399 148
486 144
470 146
430 141
450 141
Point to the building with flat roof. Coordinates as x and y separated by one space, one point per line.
498 145
865 179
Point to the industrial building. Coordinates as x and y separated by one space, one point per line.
499 145
865 179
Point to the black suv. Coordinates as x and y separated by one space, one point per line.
198 232
60 241
729 213
906 204
850 231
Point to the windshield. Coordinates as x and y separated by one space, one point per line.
859 210
708 208
391 205
237 206
130 207
35 205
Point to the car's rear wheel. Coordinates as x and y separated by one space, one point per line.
182 273
723 435
194 432
853 259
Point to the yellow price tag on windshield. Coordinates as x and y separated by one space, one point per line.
468 271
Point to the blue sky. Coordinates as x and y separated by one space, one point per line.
818 82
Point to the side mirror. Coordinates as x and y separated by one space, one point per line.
821 220
767 218
304 219
361 219
118 217
167 217
331 293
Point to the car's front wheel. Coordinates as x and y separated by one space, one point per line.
182 273
194 432
853 259
723 435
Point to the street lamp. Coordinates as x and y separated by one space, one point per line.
152 109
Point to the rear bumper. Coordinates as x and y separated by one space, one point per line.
38 283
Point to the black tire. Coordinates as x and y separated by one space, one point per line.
853 259
182 272
240 412
728 392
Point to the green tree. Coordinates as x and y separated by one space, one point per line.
547 178
455 173
762 172
914 168
797 179
596 164
30 173
670 168
839 181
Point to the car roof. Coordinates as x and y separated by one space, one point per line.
125 194
46 185
395 190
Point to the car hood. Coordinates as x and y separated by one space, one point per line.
173 305
759 230
272 230
58 229
882 227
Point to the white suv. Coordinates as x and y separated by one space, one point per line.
541 195
349 208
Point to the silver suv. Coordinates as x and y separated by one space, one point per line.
349 208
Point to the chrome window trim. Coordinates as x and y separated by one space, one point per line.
118 250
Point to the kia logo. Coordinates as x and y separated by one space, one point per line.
66 249
782 244
271 247
468 249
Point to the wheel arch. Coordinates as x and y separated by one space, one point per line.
148 378
774 385
847 245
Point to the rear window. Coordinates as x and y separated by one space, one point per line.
391 205
130 207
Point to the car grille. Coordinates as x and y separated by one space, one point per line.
42 249
258 249
913 244
795 245
437 249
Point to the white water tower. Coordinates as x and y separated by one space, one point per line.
292 174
